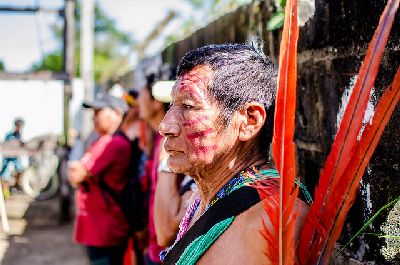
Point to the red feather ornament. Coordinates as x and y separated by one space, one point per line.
280 208
342 199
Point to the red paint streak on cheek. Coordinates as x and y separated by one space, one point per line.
199 134
205 149
192 122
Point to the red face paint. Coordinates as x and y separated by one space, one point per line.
192 89
191 92
205 149
196 114
198 77
200 119
199 134
195 82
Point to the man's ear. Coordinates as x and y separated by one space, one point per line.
251 119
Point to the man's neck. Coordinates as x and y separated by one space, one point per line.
110 131
228 167
113 130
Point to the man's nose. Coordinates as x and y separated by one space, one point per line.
169 125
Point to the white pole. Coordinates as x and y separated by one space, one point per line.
3 212
87 36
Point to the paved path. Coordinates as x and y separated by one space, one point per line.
35 236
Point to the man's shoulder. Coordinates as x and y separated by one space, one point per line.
102 140
112 141
251 224
243 238
120 142
10 136
105 144
253 217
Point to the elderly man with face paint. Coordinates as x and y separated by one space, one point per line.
218 130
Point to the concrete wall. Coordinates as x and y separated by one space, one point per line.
331 48
39 103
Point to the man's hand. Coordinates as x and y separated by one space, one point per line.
76 173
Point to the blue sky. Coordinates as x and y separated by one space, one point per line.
19 33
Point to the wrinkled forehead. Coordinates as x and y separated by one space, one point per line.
198 78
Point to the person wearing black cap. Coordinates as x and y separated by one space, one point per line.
108 113
100 224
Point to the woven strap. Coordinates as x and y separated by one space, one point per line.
200 245
225 208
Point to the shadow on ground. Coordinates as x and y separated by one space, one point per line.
36 237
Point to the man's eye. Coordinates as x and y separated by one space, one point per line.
187 106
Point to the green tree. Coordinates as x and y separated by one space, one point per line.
212 9
51 62
109 42
207 11
2 67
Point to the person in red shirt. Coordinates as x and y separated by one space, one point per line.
100 224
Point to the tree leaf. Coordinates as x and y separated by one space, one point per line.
276 21
365 226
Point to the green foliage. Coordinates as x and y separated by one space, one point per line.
171 38
206 10
105 25
51 62
197 4
108 42
103 65
365 226
215 8
277 19
2 67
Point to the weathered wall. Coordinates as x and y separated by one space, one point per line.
238 26
331 47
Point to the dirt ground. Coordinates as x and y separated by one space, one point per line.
36 237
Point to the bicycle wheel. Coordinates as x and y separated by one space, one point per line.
34 188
